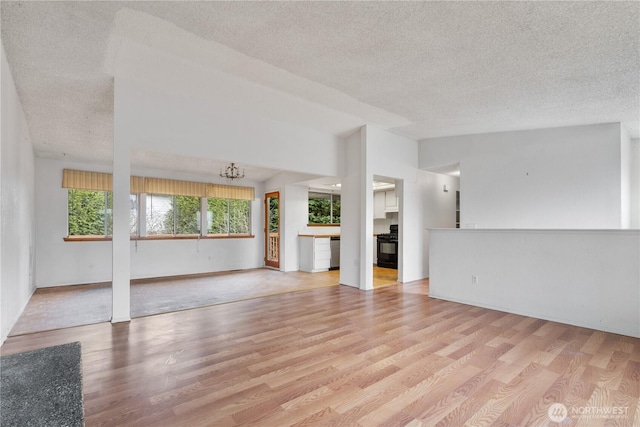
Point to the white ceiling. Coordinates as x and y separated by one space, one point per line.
423 69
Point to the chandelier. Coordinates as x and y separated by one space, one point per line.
231 172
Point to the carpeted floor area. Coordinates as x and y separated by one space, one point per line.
42 387
68 306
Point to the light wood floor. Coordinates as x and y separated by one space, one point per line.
340 356
67 306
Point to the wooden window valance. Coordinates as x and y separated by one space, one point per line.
219 191
100 181
173 187
83 180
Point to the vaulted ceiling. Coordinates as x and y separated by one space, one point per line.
423 69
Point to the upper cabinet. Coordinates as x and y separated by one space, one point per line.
390 201
379 200
384 202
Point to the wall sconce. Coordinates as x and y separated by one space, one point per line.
445 188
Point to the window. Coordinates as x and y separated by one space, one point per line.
228 217
90 213
239 217
186 210
173 215
324 208
157 207
133 214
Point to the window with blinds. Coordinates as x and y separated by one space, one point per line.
171 207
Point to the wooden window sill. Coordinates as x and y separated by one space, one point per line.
87 239
159 237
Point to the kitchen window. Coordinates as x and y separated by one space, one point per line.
324 208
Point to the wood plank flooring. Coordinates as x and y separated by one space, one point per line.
337 356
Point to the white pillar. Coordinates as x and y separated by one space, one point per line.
366 215
121 268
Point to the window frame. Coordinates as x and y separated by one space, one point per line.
228 234
107 216
331 195
138 235
174 221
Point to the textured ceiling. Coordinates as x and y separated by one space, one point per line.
430 68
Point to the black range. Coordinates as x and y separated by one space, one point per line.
388 248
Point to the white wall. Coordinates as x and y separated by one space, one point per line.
90 262
588 278
296 214
17 206
156 119
625 179
350 213
634 187
438 207
548 178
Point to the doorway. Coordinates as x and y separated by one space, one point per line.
386 227
272 229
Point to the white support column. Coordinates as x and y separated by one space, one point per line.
366 215
121 247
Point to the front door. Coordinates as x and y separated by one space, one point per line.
272 229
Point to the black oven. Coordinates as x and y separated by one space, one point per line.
388 248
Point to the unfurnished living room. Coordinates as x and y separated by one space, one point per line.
320 213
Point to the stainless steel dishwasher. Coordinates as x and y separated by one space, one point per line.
335 253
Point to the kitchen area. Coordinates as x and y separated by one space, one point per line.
321 251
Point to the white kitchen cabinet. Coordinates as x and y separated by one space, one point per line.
315 253
390 201
379 205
